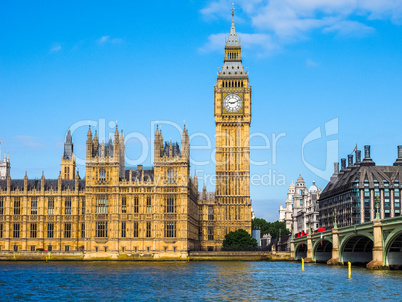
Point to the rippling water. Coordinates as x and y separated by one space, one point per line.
278 281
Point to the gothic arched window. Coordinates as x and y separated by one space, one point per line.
170 176
102 175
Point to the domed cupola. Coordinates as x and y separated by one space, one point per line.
292 188
300 182
313 189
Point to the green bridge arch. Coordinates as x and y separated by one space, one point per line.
297 253
393 257
356 254
326 254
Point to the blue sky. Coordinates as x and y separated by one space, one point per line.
310 62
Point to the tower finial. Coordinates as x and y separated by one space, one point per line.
233 40
116 133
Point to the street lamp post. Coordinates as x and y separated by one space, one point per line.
335 224
377 205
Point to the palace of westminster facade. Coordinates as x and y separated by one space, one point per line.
158 211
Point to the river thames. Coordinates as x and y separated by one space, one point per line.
195 281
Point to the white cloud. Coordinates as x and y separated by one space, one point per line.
30 141
349 28
311 63
263 42
288 21
104 39
215 42
222 8
290 18
108 39
55 48
215 8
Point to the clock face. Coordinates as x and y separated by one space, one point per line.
232 103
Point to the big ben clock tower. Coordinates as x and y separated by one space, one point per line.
232 96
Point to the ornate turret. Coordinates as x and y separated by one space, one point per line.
5 167
158 143
89 143
291 190
196 179
116 146
122 152
42 182
95 146
232 42
300 182
68 146
89 133
121 137
185 143
68 159
232 66
26 181
204 192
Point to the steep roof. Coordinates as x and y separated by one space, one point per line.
359 174
35 184
233 40
137 174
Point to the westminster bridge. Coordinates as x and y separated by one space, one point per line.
376 243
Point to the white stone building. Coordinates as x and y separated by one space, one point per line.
4 167
301 207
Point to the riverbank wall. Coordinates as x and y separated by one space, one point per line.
238 256
191 256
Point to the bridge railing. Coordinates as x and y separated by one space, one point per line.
391 220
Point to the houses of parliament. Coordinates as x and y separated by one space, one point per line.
160 212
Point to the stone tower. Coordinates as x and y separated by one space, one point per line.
299 203
172 165
68 159
5 167
104 161
232 94
289 207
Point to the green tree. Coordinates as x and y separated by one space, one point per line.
239 239
261 224
271 228
275 227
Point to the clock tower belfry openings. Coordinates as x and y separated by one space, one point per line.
232 109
